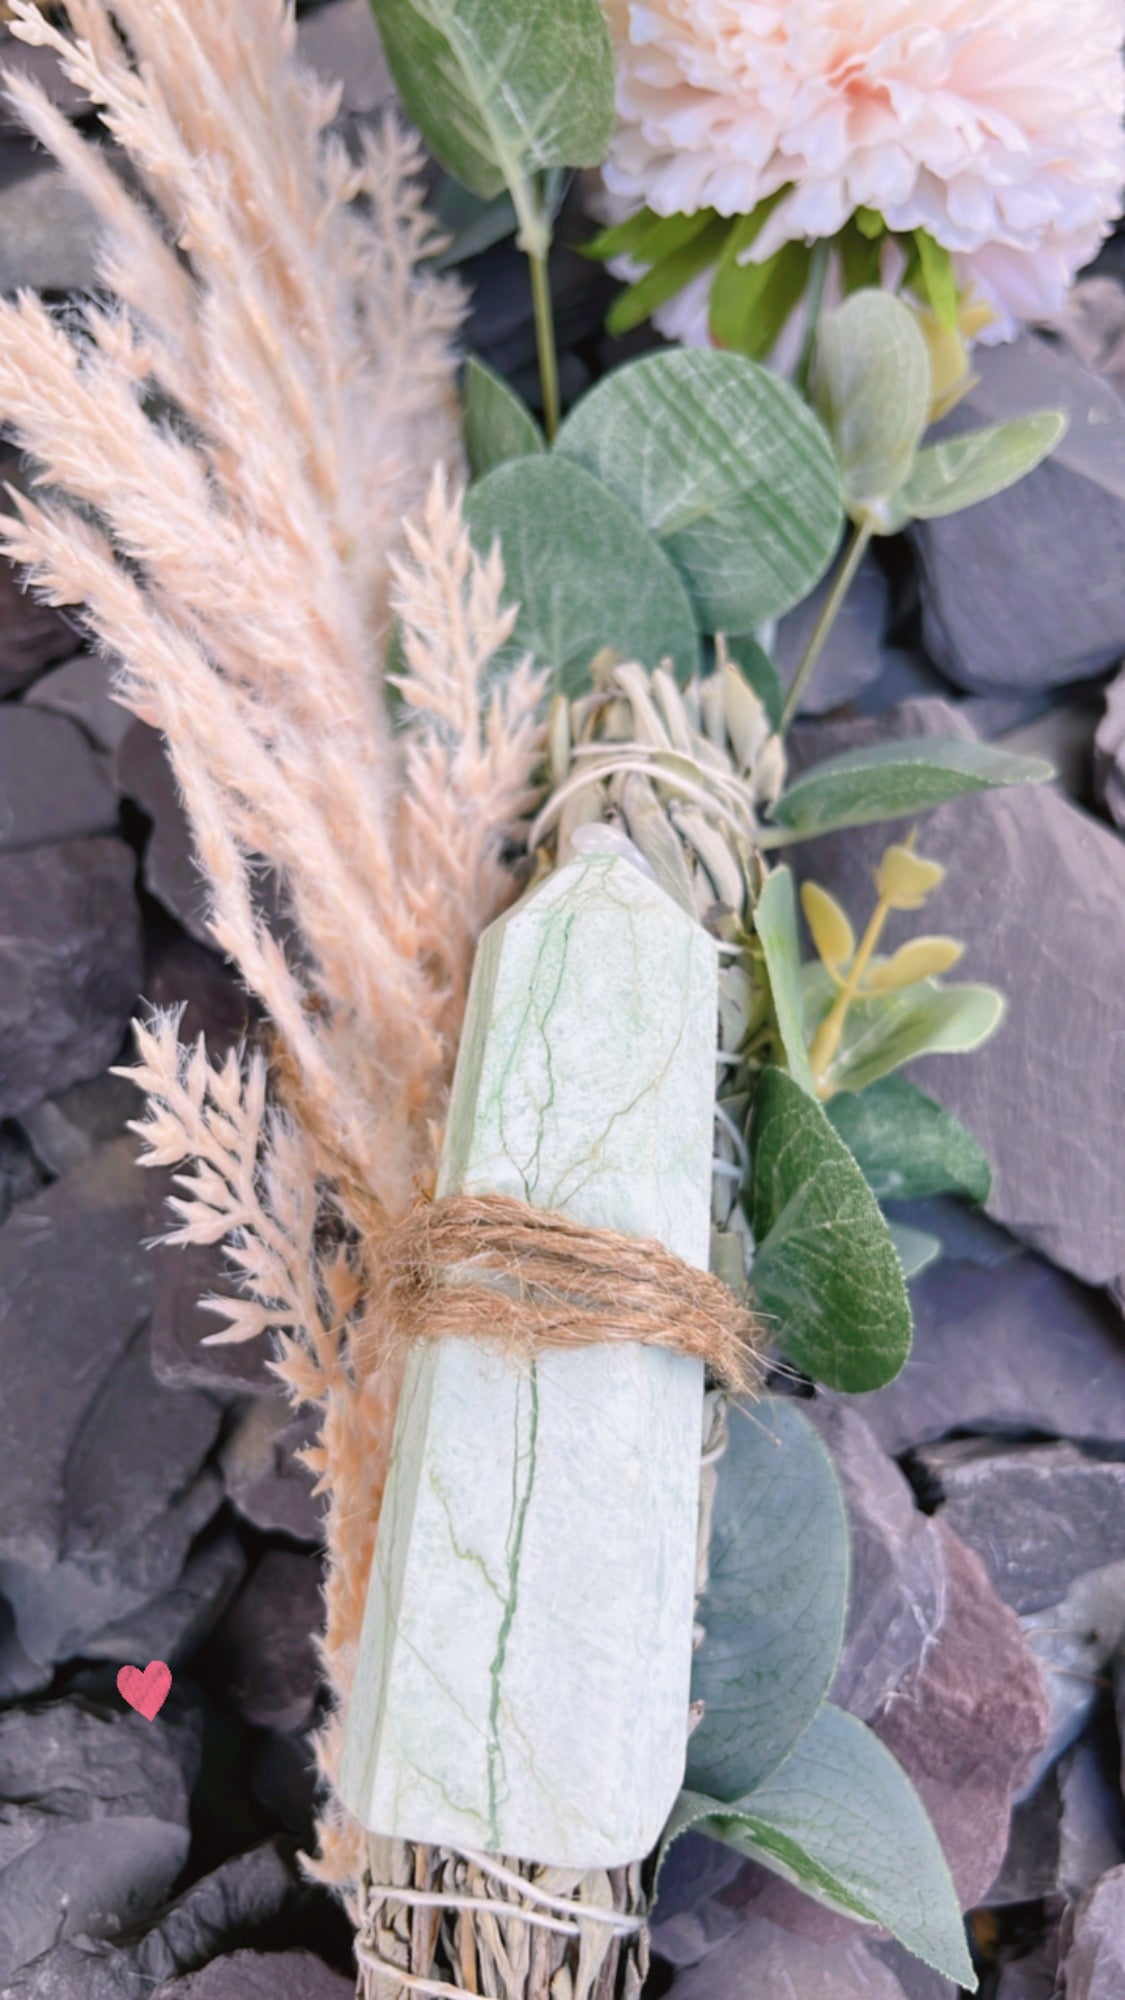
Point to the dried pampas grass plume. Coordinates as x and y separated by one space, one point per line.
225 448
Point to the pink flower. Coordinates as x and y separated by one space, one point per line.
996 125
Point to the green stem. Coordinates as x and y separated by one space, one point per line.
818 272
545 341
842 584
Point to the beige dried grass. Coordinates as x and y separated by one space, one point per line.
225 444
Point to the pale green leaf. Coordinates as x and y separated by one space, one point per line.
773 1610
960 471
825 1272
916 1248
872 388
891 781
841 1819
498 426
883 1033
907 1145
582 569
775 923
726 466
502 88
829 926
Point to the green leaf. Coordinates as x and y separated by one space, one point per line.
883 1033
726 466
963 470
870 223
582 569
907 1145
755 664
773 1610
750 303
841 1819
775 923
916 1248
500 89
646 236
872 387
861 258
498 426
825 1271
472 225
892 781
668 275
939 281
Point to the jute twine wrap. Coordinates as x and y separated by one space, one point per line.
450 1923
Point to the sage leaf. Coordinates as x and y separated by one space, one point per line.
872 388
841 1819
960 471
583 571
500 89
775 925
773 1610
498 426
883 1033
893 781
908 1146
726 466
825 1272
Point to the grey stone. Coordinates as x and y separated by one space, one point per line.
255 1975
1074 1642
1019 1347
75 1284
853 656
1063 734
183 1274
70 965
68 1129
1030 1868
20 1675
1094 1964
284 1779
1092 1831
1038 1516
341 42
94 1830
265 1645
1024 590
79 688
49 230
266 1482
1109 752
51 784
1035 889
1091 326
212 1916
31 634
20 1175
183 973
690 1916
763 1961
1034 1976
43 66
171 872
171 1627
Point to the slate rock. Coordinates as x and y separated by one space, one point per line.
1027 590
264 1649
1032 1976
266 1482
173 1625
70 965
49 230
20 1675
180 972
1109 753
341 43
1038 1516
79 689
1092 1830
1064 735
254 1975
170 869
762 1961
31 634
1030 1868
93 1822
284 1780
1074 1642
20 1174
852 659
1035 888
183 1274
1014 1348
690 1916
75 1282
51 784
68 1130
1094 1963
214 1915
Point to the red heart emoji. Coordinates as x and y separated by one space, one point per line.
147 1692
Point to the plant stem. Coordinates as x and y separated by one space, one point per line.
824 624
818 272
545 341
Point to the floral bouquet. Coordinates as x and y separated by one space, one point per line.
555 1167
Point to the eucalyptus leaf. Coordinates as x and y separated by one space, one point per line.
916 1248
583 570
726 466
891 781
773 1610
963 470
907 1145
872 388
883 1033
825 1271
775 924
498 426
500 89
841 1819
